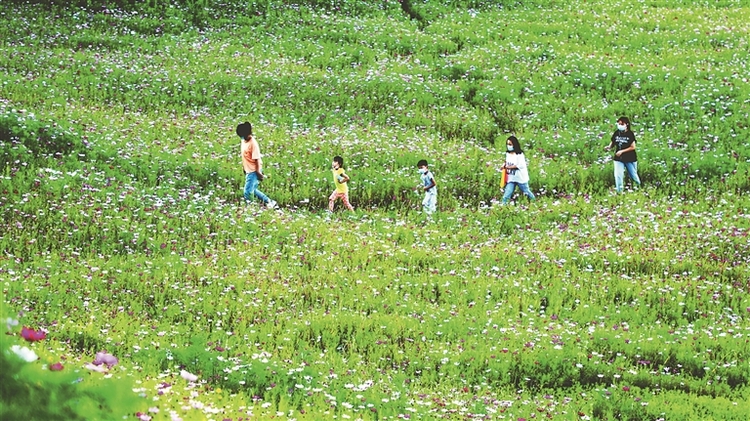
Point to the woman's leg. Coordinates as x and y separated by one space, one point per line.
526 190
509 189
619 175
632 168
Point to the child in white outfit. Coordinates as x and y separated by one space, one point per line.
429 203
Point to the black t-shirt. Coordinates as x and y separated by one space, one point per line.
623 140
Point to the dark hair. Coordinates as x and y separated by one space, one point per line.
244 130
626 121
339 160
516 145
422 163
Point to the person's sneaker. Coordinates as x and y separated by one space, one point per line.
271 204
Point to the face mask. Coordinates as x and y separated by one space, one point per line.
510 148
422 171
621 127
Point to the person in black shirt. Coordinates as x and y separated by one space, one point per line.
623 140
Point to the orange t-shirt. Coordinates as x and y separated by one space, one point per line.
250 155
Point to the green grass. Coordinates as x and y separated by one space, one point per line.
123 229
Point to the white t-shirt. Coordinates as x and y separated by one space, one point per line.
520 174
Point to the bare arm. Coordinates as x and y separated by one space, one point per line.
432 184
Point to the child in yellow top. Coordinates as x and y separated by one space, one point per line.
339 180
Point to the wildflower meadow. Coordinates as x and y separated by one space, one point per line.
137 283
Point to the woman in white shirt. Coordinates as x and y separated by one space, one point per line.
518 174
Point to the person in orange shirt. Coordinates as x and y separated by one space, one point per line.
252 165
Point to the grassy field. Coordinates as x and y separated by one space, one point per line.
125 237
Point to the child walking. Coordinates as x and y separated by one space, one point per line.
340 180
515 167
429 203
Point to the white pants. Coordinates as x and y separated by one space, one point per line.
429 203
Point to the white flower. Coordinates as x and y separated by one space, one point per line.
24 353
188 376
11 323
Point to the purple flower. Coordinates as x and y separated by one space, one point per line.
56 367
103 358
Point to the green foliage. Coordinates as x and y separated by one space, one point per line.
123 227
31 390
23 138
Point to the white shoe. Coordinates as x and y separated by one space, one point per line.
271 204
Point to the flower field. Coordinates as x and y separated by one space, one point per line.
138 285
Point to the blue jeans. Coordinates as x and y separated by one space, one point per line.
511 187
620 168
251 188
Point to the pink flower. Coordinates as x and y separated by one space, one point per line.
32 335
56 367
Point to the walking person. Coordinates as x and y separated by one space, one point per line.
623 139
252 164
516 168
340 180
428 185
